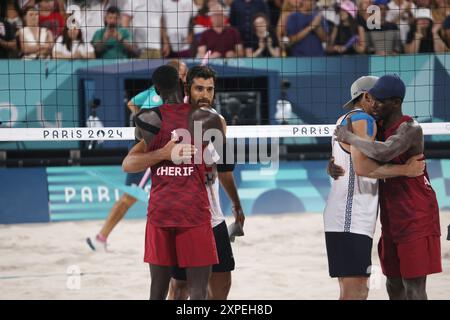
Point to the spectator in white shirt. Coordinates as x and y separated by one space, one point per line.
70 45
144 19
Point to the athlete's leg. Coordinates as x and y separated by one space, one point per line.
197 280
416 288
160 278
116 214
178 290
354 288
219 285
395 288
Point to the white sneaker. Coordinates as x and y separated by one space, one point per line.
96 244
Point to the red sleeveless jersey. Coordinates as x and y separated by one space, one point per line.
178 196
408 206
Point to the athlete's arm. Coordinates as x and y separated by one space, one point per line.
366 167
407 134
226 179
148 124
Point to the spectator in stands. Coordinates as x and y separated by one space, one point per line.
70 45
7 36
92 15
35 42
328 9
423 4
440 9
424 36
347 37
50 18
386 39
363 15
274 7
113 41
241 16
265 43
446 27
145 19
13 14
289 6
401 12
202 21
178 16
306 29
223 41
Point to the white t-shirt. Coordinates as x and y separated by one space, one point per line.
83 48
145 24
177 15
394 10
92 16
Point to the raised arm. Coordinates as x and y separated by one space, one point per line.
407 134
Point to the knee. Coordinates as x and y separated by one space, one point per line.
127 201
218 290
395 288
359 292
179 290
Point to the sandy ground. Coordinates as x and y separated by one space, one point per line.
280 257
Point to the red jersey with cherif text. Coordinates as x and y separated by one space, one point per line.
178 196
408 206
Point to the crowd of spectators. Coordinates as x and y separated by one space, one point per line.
120 29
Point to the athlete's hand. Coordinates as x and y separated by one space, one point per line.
238 214
415 166
344 133
178 152
334 170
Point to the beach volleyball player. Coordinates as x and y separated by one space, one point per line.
352 207
409 247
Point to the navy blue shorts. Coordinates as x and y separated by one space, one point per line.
224 252
135 178
349 254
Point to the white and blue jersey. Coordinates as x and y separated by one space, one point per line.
352 205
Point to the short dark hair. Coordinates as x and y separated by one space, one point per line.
165 79
204 72
113 10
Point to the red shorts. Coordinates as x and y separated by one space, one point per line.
412 259
186 247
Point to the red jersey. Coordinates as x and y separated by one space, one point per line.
408 206
178 196
54 22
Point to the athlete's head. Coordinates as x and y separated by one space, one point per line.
200 86
359 93
166 81
388 94
180 66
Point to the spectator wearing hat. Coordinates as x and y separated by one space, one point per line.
223 41
424 36
306 30
347 37
401 12
384 40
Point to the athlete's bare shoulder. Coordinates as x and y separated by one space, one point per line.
411 128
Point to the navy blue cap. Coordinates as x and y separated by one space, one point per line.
388 86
